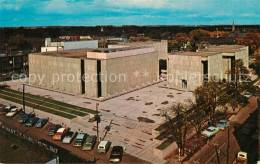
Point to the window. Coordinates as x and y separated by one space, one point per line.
184 84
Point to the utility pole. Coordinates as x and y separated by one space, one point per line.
98 121
228 145
216 149
228 71
23 98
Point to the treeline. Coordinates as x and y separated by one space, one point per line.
21 38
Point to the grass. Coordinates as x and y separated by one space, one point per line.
159 128
161 136
43 102
27 95
45 109
165 144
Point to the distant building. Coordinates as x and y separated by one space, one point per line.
68 45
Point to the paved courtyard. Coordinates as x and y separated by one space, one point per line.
123 111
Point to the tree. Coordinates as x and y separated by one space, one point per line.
180 42
210 97
195 35
239 84
256 64
197 117
177 125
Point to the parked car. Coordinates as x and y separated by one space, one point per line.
31 122
61 133
9 107
41 122
116 154
222 124
80 139
241 158
103 146
210 131
69 137
247 95
12 112
53 129
89 143
25 118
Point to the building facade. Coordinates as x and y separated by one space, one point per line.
189 70
68 45
94 72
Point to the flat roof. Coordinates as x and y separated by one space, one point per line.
227 46
203 54
83 53
220 50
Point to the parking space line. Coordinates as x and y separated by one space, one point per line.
45 126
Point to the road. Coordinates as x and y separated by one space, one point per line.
38 134
208 155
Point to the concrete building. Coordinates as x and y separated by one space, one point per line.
161 47
68 45
188 70
231 52
106 72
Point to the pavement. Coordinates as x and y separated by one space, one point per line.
123 111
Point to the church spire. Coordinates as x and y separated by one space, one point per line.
233 27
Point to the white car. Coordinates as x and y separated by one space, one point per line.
247 95
210 131
9 107
12 112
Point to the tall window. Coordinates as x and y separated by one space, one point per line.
184 84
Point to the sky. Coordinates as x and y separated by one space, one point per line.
15 13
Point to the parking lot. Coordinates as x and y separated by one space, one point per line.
41 133
126 129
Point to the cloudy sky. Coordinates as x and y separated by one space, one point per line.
127 12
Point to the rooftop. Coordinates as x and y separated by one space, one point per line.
221 50
99 53
227 46
203 54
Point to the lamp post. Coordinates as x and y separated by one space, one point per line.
98 121
23 98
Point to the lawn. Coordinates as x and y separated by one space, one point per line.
43 102
65 105
45 109
165 144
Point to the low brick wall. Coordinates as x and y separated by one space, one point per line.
165 152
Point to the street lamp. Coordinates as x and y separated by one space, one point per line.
98 121
23 98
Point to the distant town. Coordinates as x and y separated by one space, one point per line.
130 94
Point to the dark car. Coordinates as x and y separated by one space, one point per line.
31 122
41 122
25 118
116 154
53 129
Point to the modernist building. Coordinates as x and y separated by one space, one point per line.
68 45
106 72
188 70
